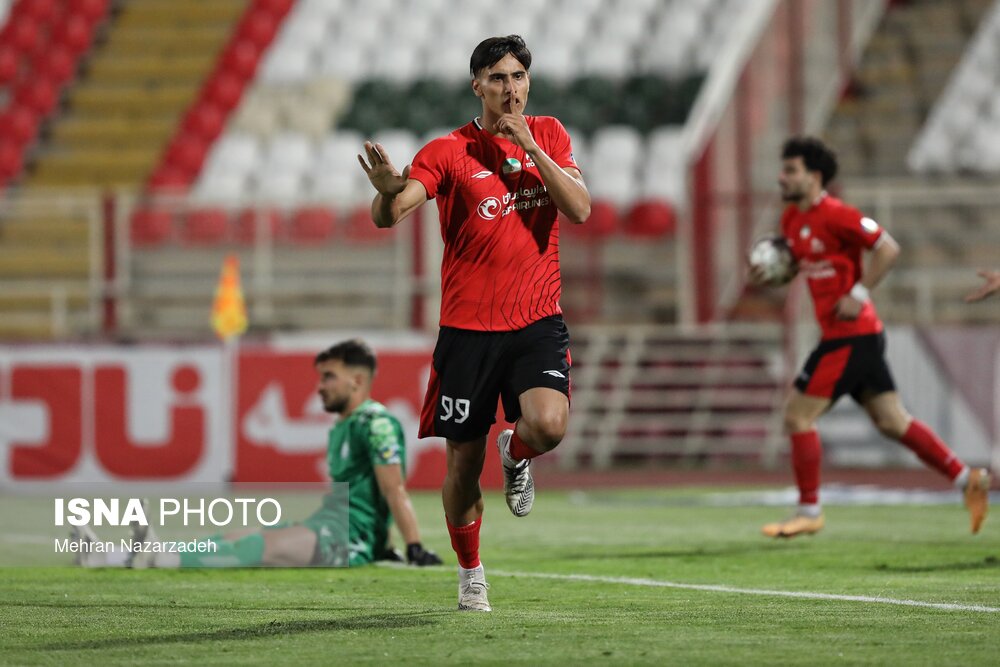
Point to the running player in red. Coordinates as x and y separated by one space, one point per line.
499 182
827 239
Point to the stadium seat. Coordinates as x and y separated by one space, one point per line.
278 186
310 225
10 160
259 26
205 226
288 151
90 10
150 226
224 89
187 152
39 95
74 32
57 64
10 62
167 179
248 221
288 65
602 223
359 227
241 58
20 124
235 151
205 120
215 186
650 219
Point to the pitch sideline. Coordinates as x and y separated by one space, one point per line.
655 583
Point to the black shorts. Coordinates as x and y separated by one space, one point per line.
855 365
472 369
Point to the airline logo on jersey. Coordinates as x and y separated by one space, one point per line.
485 173
869 225
526 198
488 208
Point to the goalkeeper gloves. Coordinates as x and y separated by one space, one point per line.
417 555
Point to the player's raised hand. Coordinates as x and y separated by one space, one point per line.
991 284
380 171
513 127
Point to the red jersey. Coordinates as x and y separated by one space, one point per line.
827 242
500 270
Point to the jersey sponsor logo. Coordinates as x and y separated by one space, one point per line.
555 374
817 270
488 208
869 225
485 173
511 165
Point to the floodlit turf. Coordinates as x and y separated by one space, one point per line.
406 616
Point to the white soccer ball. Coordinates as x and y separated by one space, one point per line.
772 255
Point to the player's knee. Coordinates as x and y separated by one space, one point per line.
890 426
796 423
549 428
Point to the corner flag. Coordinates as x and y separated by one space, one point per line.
229 312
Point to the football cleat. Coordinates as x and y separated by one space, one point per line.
796 525
518 487
977 497
472 589
140 559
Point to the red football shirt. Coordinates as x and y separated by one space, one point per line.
500 270
827 241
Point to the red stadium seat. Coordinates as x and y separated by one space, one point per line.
74 32
26 35
241 58
91 10
57 64
205 120
150 226
224 89
19 124
10 63
603 222
170 180
187 152
42 11
205 226
275 7
259 26
361 228
11 158
247 220
651 219
39 95
314 224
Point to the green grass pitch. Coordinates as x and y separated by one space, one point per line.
406 616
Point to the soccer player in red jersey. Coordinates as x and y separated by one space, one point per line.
499 182
827 239
991 284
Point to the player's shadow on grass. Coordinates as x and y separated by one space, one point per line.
988 563
262 631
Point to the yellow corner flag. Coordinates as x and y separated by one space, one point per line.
229 311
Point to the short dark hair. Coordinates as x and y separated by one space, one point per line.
491 51
352 352
816 156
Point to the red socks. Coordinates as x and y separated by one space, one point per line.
931 450
520 451
806 455
465 542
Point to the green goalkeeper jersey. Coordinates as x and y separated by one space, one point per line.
369 437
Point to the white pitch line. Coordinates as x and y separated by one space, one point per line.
655 583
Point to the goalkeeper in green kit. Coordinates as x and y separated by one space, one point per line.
366 455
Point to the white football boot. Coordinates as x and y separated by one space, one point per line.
472 589
518 487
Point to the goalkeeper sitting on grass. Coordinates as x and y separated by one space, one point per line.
365 450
